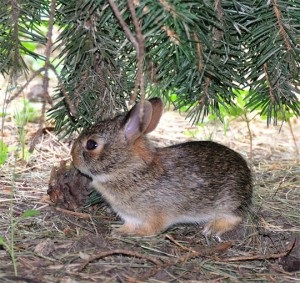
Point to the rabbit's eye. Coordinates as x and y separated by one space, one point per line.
91 144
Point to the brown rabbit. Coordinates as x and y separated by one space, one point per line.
153 188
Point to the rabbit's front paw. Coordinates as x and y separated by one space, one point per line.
147 227
219 226
132 230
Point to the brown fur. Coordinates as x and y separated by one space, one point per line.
153 188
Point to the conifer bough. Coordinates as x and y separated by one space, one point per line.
200 51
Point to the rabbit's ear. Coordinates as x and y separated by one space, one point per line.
157 111
135 126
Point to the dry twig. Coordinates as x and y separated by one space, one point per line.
121 252
169 237
260 256
74 213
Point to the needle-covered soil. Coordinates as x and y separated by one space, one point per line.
61 245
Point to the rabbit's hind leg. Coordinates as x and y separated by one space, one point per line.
221 224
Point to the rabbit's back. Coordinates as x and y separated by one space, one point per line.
207 171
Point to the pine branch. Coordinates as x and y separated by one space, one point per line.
200 52
138 43
125 27
274 74
140 50
18 24
46 68
93 77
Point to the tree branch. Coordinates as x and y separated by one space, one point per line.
122 23
140 50
271 95
281 28
199 52
138 43
46 68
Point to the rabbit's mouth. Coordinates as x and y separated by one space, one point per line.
102 178
83 170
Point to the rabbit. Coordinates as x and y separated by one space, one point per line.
152 188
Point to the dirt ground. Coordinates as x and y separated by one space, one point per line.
60 246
